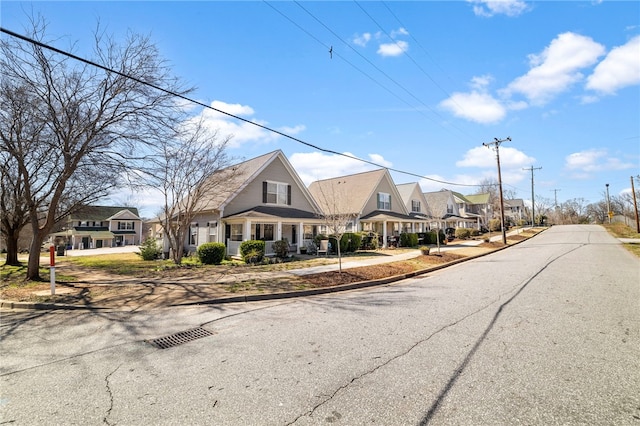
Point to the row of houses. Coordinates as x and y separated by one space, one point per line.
264 198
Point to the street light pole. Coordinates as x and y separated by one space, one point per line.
608 204
496 145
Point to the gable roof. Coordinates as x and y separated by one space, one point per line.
104 213
437 202
355 190
238 176
406 190
478 198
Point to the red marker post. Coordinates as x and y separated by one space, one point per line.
52 268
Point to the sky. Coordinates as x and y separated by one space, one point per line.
415 86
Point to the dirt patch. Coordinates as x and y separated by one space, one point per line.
97 287
374 272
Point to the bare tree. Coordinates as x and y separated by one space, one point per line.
575 211
191 173
490 186
333 200
87 123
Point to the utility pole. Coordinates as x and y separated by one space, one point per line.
555 194
608 204
556 209
533 201
635 205
496 146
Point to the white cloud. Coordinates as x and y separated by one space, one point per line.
393 49
621 68
241 131
362 39
312 166
488 8
400 31
483 157
556 68
475 106
584 163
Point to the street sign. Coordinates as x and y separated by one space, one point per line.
610 215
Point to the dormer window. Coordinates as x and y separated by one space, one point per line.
415 206
384 201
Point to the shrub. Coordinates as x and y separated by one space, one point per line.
408 239
252 251
462 233
350 242
149 250
475 232
281 248
494 225
430 237
211 253
368 240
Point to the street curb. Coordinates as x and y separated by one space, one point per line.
271 296
7 304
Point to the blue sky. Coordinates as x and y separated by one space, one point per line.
416 86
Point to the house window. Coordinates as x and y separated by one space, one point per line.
384 201
123 226
236 232
310 231
84 223
263 231
276 193
193 234
415 206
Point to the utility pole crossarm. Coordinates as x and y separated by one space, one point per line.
496 146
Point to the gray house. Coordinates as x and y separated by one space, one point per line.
372 199
262 199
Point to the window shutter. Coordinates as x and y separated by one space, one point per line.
289 195
264 191
389 202
378 201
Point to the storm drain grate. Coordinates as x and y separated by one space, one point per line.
180 338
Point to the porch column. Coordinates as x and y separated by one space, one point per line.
279 231
384 234
300 236
246 234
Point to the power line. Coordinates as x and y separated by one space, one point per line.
378 68
403 51
186 98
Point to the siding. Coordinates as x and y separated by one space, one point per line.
251 196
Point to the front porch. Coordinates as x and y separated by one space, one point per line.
297 227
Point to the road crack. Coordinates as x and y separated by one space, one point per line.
310 412
110 393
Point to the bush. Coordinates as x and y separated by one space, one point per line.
350 242
252 251
475 232
462 233
430 237
149 250
368 240
211 253
408 239
494 225
281 249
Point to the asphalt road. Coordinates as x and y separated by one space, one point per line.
545 332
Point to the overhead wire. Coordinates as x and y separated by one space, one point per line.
378 69
186 98
404 51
